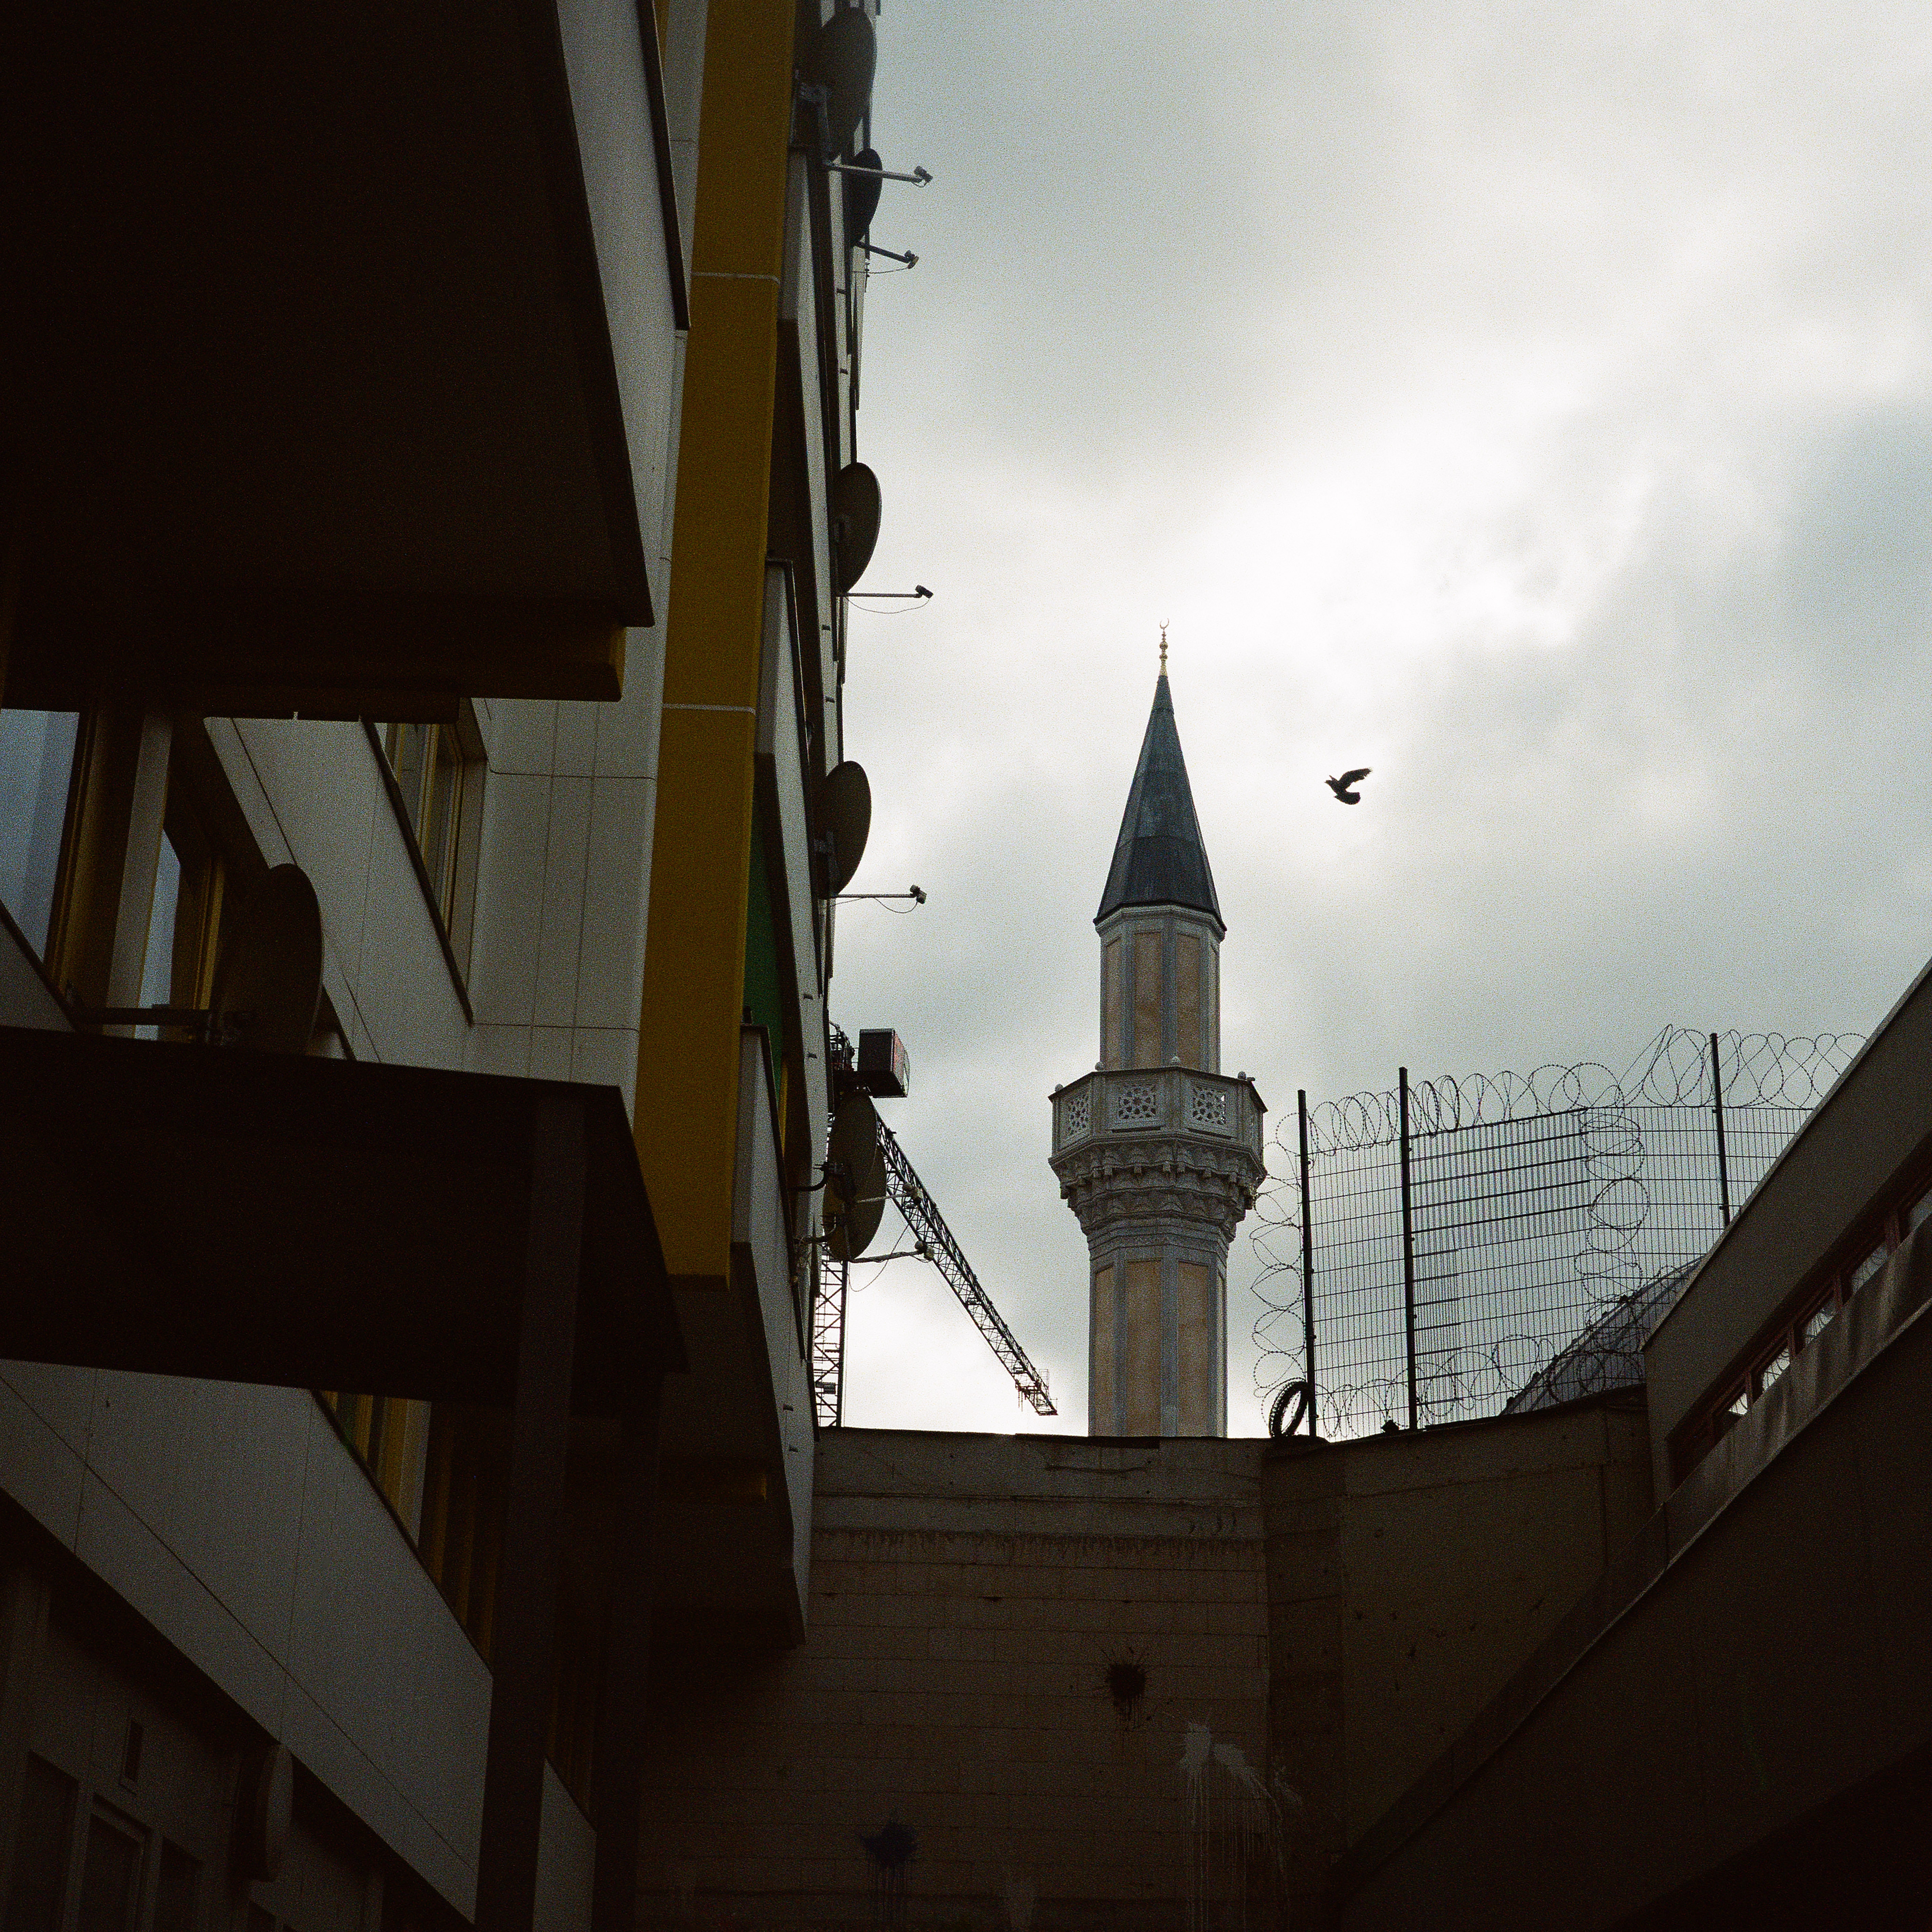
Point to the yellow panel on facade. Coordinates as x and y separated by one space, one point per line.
1187 999
688 1039
1147 999
1143 1363
1103 1418
1195 1351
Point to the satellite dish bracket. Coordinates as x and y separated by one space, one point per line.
211 1028
816 100
919 178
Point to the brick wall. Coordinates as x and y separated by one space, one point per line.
1128 1683
971 1595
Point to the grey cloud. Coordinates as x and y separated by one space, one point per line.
1535 403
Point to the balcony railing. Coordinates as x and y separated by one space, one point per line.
1134 1101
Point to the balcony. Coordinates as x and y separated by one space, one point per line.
1132 1103
346 353
1147 1141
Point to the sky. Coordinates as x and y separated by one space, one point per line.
1533 403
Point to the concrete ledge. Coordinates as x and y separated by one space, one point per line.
1885 1321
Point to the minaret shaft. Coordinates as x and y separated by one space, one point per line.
1160 988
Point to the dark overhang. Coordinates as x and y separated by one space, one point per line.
339 349
311 1223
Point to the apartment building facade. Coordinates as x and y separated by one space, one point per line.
388 373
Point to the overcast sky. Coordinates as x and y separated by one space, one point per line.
1533 403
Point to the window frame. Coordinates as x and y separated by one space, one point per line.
1874 1235
389 1435
44 950
449 888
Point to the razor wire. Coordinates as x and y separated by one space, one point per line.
1551 1216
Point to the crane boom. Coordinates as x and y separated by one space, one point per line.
911 1197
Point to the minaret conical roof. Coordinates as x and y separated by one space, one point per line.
1159 858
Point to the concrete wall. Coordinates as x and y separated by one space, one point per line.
1313 1625
1737 1730
969 1593
1409 1575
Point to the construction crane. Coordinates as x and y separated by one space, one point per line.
911 1197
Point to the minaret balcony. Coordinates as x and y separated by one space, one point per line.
1136 1102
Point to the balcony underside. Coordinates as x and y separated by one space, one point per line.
340 336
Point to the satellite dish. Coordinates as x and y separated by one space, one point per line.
861 196
264 1829
840 58
268 981
850 1225
855 518
854 1139
844 816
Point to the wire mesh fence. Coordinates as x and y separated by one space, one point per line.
1451 1246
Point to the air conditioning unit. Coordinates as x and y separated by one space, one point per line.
883 1069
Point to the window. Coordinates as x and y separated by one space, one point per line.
438 772
1815 1324
110 1881
388 1433
39 1896
190 886
36 772
177 1891
1909 1211
1915 1215
1867 1268
465 1491
466 1496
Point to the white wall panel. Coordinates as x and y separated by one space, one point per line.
509 899
560 936
233 1520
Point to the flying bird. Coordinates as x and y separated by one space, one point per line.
1341 787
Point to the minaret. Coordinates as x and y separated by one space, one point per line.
1157 1152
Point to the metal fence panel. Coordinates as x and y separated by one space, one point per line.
1544 1211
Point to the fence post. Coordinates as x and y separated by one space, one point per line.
1408 1245
1307 1260
1717 1107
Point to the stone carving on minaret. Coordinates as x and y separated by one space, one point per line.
1156 1150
